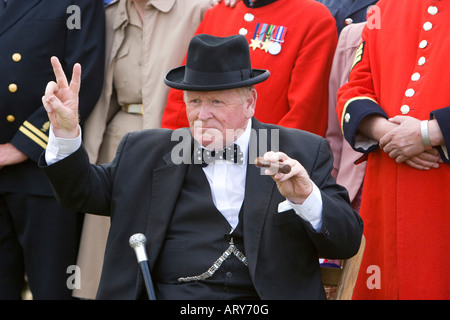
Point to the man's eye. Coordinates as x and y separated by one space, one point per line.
216 101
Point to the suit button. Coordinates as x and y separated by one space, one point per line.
348 21
243 31
16 57
422 61
409 93
404 109
12 87
432 10
427 26
423 44
249 17
347 117
10 118
415 76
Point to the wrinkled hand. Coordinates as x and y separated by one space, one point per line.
10 155
296 185
404 144
61 101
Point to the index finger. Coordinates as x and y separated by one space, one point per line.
61 79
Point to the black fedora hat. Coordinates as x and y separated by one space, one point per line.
216 63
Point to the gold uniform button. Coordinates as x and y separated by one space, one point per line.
10 118
16 57
12 87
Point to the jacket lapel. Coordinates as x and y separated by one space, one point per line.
15 11
258 191
166 185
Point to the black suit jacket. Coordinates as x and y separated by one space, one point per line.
140 187
31 32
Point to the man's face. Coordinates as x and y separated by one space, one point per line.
217 118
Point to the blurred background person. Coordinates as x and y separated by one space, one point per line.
345 170
38 237
347 12
295 40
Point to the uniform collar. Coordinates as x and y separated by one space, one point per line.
257 4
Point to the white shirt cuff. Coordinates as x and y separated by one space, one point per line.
59 148
310 210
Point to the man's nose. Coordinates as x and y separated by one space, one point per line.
204 112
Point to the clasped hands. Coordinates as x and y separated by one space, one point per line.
403 142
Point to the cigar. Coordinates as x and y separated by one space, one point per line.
282 167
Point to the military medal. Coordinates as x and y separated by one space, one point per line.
267 43
275 47
262 35
255 40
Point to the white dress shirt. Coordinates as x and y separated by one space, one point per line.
226 179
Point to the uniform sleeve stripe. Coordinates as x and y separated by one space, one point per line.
33 137
36 131
344 111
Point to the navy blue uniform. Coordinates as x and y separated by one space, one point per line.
31 32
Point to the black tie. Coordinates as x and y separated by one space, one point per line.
230 153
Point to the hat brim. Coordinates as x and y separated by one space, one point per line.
175 79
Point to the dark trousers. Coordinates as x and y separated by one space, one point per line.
40 239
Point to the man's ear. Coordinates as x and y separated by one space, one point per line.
251 103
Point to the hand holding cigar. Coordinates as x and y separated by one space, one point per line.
291 177
282 167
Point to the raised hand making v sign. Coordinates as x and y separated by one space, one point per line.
61 101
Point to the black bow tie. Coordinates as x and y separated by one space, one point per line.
230 153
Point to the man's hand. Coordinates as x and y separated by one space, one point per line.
10 155
296 185
229 3
404 144
61 101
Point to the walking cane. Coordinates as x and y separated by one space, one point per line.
137 242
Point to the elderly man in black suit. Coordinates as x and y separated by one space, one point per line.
216 229
38 237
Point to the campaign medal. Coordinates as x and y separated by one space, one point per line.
278 38
267 43
255 40
262 34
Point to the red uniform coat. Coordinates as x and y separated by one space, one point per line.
296 93
406 211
